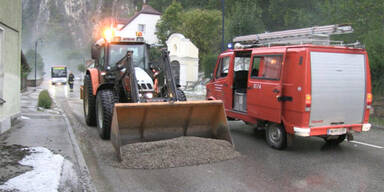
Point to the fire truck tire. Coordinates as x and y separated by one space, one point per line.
89 102
181 95
276 136
335 141
105 101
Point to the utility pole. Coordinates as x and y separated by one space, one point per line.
222 25
36 42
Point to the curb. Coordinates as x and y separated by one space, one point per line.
79 156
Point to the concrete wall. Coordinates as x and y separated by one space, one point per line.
186 53
149 21
10 54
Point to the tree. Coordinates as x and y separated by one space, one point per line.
203 27
169 22
244 19
81 68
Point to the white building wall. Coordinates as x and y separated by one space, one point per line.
149 21
187 54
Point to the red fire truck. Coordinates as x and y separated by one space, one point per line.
295 82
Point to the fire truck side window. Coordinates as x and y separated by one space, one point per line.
267 67
272 67
222 70
255 66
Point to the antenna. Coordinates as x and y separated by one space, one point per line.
313 35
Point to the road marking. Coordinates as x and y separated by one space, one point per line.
367 144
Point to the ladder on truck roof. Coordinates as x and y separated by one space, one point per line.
319 35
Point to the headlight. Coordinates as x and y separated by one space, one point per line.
148 95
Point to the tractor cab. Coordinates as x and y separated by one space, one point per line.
109 52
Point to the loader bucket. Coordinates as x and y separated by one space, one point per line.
141 122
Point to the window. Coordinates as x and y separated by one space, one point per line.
141 28
255 66
117 52
242 63
267 67
222 69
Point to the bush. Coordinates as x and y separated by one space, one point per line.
45 100
208 63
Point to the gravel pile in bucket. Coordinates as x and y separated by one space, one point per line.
178 152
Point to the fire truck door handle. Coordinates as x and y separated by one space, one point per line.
225 85
276 91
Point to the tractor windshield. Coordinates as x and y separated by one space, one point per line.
118 51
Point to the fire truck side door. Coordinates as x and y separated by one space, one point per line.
265 87
223 80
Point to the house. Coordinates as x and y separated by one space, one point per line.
143 21
10 54
184 57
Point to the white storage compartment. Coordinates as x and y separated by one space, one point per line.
240 102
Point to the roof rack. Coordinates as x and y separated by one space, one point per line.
319 35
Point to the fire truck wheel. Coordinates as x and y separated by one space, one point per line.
181 95
276 136
89 102
335 140
105 101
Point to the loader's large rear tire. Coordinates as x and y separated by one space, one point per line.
276 136
105 101
181 95
89 102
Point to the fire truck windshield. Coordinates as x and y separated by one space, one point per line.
118 51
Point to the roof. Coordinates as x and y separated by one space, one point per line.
147 9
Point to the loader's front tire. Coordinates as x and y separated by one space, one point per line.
181 95
105 101
89 102
276 136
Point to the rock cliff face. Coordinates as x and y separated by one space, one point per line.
66 27
73 19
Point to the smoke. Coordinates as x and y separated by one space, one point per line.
68 28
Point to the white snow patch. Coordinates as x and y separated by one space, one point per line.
24 117
45 176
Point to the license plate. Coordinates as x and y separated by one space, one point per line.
339 131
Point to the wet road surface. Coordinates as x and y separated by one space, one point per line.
308 165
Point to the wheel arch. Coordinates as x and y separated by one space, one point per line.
94 75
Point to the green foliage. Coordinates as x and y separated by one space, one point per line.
170 21
203 27
44 100
255 16
154 55
81 67
245 19
208 63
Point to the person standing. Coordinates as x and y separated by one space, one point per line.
71 79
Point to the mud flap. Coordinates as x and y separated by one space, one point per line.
141 122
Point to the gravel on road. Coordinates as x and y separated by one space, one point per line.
177 152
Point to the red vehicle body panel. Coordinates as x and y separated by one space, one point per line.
262 104
94 74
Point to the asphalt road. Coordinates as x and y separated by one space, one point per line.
308 165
